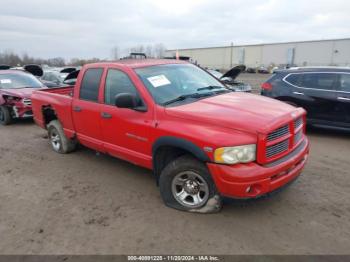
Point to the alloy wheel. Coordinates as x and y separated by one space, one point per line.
190 189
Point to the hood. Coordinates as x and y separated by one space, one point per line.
20 92
234 72
68 70
239 111
72 75
35 70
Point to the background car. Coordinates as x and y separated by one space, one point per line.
55 77
52 78
16 88
323 91
251 70
229 78
263 70
71 78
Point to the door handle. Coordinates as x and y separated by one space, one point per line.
77 108
106 115
343 98
298 93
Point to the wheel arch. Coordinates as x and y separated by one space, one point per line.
49 114
168 148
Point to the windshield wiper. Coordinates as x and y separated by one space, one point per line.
211 88
184 97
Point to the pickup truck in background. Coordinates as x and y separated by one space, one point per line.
202 141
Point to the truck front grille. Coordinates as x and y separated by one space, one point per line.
27 101
280 132
277 148
298 122
282 140
298 136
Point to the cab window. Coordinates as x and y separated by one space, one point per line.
90 84
117 82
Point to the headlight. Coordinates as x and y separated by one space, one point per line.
234 155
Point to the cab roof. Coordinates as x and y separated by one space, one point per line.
137 63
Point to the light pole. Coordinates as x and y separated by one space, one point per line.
231 58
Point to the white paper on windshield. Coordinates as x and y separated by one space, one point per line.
158 81
5 81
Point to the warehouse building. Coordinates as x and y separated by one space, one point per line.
305 53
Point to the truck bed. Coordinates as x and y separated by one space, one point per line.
67 90
57 99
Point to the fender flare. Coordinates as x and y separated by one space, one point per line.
177 143
182 144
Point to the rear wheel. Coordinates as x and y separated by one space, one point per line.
5 115
59 142
186 184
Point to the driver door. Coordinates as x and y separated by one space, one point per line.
126 132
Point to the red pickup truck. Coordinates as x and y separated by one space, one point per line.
202 141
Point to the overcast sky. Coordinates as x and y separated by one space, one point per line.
90 28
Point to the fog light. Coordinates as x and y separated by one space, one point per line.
248 189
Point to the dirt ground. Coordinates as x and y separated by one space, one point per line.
83 203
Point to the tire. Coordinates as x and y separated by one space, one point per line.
58 140
5 116
186 184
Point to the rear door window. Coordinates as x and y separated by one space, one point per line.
294 79
344 83
323 81
90 84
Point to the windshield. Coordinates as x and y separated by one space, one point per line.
168 83
18 80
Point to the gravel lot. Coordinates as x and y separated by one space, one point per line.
83 203
255 80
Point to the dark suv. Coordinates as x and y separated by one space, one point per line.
323 91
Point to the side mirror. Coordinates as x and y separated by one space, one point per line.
127 100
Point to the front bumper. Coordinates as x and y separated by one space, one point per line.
253 180
22 110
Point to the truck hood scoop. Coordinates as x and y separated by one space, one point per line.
240 111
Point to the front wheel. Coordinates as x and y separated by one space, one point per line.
59 142
5 116
186 184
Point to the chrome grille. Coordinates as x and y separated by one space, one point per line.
277 148
298 122
298 136
282 131
27 101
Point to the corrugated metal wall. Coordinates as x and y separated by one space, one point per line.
310 53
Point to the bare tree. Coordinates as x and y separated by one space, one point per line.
149 51
159 50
